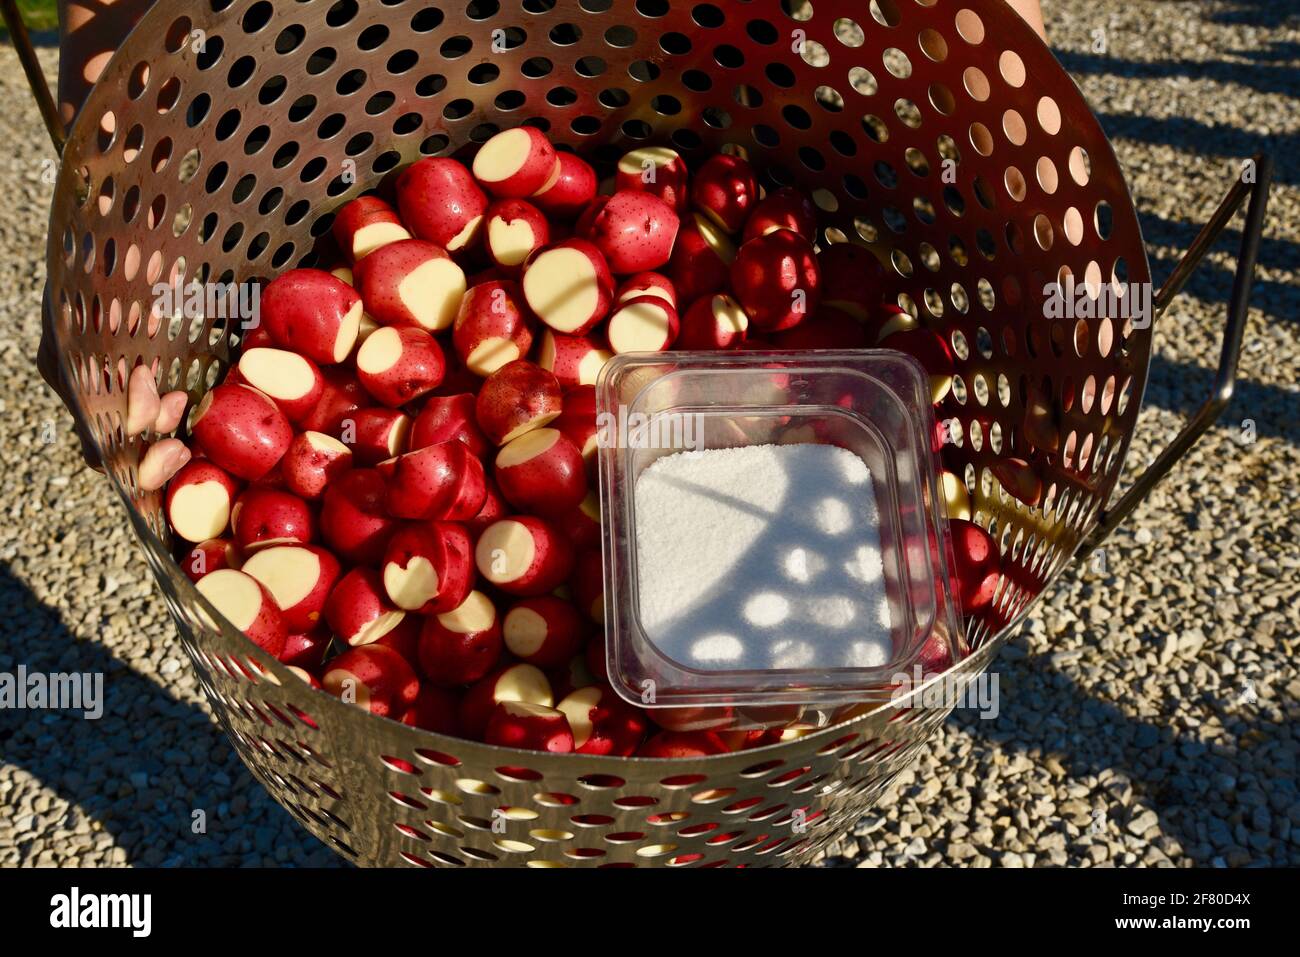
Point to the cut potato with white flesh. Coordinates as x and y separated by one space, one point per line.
292 381
412 586
243 602
299 578
642 324
573 360
515 163
568 286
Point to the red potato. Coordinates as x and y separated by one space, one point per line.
694 718
398 364
462 645
248 606
516 398
713 322
365 224
374 678
312 313
889 319
515 230
457 378
267 516
518 724
442 481
494 507
829 329
198 500
784 208
353 520
241 430
523 555
573 360
434 710
593 656
358 609
581 524
293 382
429 568
682 744
852 279
974 575
411 283
440 202
210 555
656 170
449 418
341 393
305 651
571 676
726 190
257 338
571 187
568 286
634 231
775 277
701 261
935 656
928 348
1019 478
404 639
587 582
541 472
313 461
647 284
544 631
375 434
643 324
519 682
515 163
492 327
577 421
954 495
299 578
602 723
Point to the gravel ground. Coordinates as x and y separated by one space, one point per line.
1148 708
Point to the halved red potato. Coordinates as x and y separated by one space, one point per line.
643 324
449 418
516 398
429 567
569 286
375 434
305 650
518 682
359 610
954 495
374 678
492 326
776 278
353 520
400 363
541 472
404 639
713 322
544 631
494 507
199 499
975 572
515 163
435 709
518 724
602 722
656 170
571 676
341 394
411 283
460 646
241 430
440 203
573 360
268 516
364 224
888 319
515 230
633 230
310 312
247 605
784 208
299 578
581 524
928 348
210 555
312 462
701 261
440 481
647 284
523 555
569 190
682 744
726 190
292 381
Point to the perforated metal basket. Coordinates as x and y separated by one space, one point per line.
943 134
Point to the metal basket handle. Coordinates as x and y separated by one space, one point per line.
1225 377
35 77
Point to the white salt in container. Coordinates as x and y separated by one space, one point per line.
772 533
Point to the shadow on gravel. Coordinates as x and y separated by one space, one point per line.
1263 79
1207 139
112 768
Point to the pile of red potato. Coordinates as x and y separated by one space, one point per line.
394 492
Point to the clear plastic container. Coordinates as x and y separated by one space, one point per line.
873 403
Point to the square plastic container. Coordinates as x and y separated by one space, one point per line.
875 404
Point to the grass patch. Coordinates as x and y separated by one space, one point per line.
39 15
